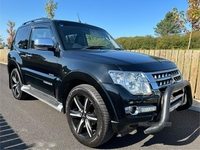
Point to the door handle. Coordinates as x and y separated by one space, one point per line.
28 55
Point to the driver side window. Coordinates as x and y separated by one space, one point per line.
38 33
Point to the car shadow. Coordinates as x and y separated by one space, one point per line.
185 128
9 139
29 98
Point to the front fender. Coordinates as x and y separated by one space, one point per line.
75 78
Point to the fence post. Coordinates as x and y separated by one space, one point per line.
194 69
180 62
187 63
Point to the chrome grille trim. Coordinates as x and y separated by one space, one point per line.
162 79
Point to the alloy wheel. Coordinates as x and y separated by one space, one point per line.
15 84
83 116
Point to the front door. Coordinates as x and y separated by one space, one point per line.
40 66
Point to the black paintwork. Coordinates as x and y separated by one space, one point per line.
65 68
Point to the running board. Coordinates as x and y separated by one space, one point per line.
50 100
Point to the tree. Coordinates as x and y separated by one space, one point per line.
11 31
50 8
192 16
1 44
1 39
167 26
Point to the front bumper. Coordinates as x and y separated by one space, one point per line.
124 124
182 104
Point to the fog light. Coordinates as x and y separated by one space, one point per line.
129 110
134 110
149 108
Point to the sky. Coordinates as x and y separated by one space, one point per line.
121 18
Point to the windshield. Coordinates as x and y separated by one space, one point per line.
83 36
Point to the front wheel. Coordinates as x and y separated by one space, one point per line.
87 116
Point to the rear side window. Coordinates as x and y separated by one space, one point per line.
21 38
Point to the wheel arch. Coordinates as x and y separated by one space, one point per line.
76 78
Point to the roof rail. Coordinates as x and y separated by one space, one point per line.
35 20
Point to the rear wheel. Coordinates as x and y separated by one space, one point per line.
87 116
16 84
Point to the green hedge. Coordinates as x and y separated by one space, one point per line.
167 42
1 47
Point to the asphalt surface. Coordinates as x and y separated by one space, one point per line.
32 124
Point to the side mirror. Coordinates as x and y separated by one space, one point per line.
120 46
44 44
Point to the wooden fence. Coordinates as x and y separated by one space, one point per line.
188 62
3 55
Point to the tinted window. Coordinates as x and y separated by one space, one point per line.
40 32
22 36
83 36
71 38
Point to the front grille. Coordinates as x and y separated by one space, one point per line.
161 79
165 78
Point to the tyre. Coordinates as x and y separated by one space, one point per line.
87 116
16 84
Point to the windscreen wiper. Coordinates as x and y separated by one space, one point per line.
94 47
118 49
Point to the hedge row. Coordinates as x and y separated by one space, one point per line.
167 42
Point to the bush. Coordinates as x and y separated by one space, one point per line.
195 42
166 42
1 47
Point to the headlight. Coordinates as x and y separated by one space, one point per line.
135 82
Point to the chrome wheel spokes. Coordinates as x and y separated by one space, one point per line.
15 84
88 127
80 126
78 104
83 116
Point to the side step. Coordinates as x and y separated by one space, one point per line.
50 100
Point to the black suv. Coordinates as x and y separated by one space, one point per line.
80 70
